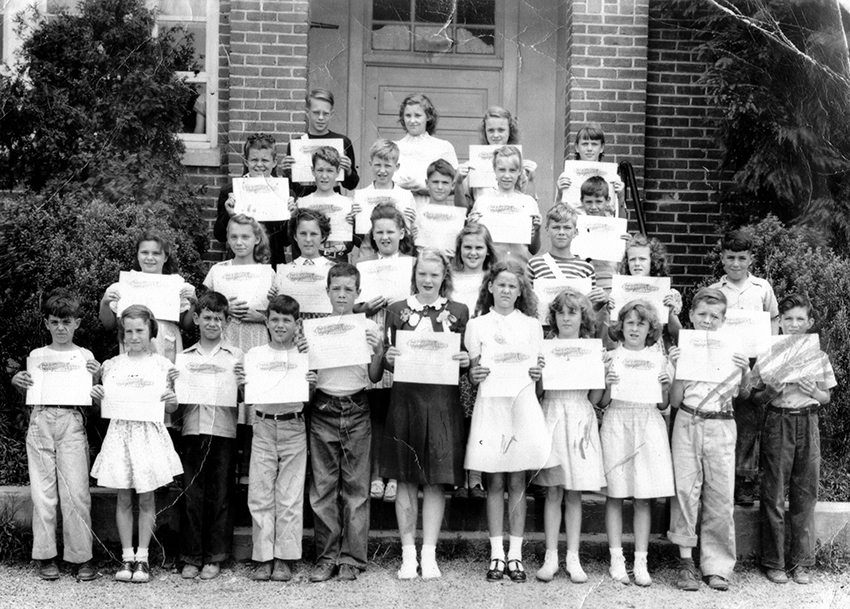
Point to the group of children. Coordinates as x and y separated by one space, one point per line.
433 436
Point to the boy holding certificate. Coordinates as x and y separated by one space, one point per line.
340 438
744 291
277 383
57 447
790 453
704 458
207 385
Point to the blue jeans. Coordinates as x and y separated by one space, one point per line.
790 455
340 444
206 517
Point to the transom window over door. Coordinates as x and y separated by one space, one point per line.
457 27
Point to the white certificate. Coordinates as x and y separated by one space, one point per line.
276 376
159 293
791 358
59 378
426 357
626 288
751 328
574 363
507 222
264 199
248 282
508 367
337 341
206 382
600 238
307 284
337 210
302 150
388 277
368 201
580 171
439 226
481 173
638 371
547 289
131 396
706 356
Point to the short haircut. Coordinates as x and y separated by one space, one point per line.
442 167
259 141
138 312
262 250
595 186
561 212
593 132
736 241
645 312
327 154
709 296
214 302
490 255
309 215
170 265
418 99
571 298
386 150
344 269
792 301
499 112
61 303
432 254
284 305
321 95
657 256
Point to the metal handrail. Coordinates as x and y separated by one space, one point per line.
627 174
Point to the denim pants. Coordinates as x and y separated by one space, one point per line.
748 422
276 488
704 470
58 461
206 514
340 439
791 460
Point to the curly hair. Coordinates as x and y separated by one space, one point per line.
309 215
571 300
645 312
526 302
258 141
262 251
432 254
499 112
418 99
657 256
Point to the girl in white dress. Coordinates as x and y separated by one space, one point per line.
508 436
635 448
575 463
136 455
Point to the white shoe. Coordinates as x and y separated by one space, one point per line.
574 570
617 570
430 570
642 577
408 570
546 573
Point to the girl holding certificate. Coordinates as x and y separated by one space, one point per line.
635 448
575 464
508 434
423 441
247 298
136 454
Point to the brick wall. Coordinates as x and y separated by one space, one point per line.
682 176
606 59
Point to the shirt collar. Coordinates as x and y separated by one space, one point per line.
413 303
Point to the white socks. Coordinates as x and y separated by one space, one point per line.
642 577
497 548
515 548
141 555
546 573
430 570
408 569
408 563
127 555
617 570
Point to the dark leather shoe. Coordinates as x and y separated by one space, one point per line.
516 571
86 572
48 569
323 572
347 572
496 571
